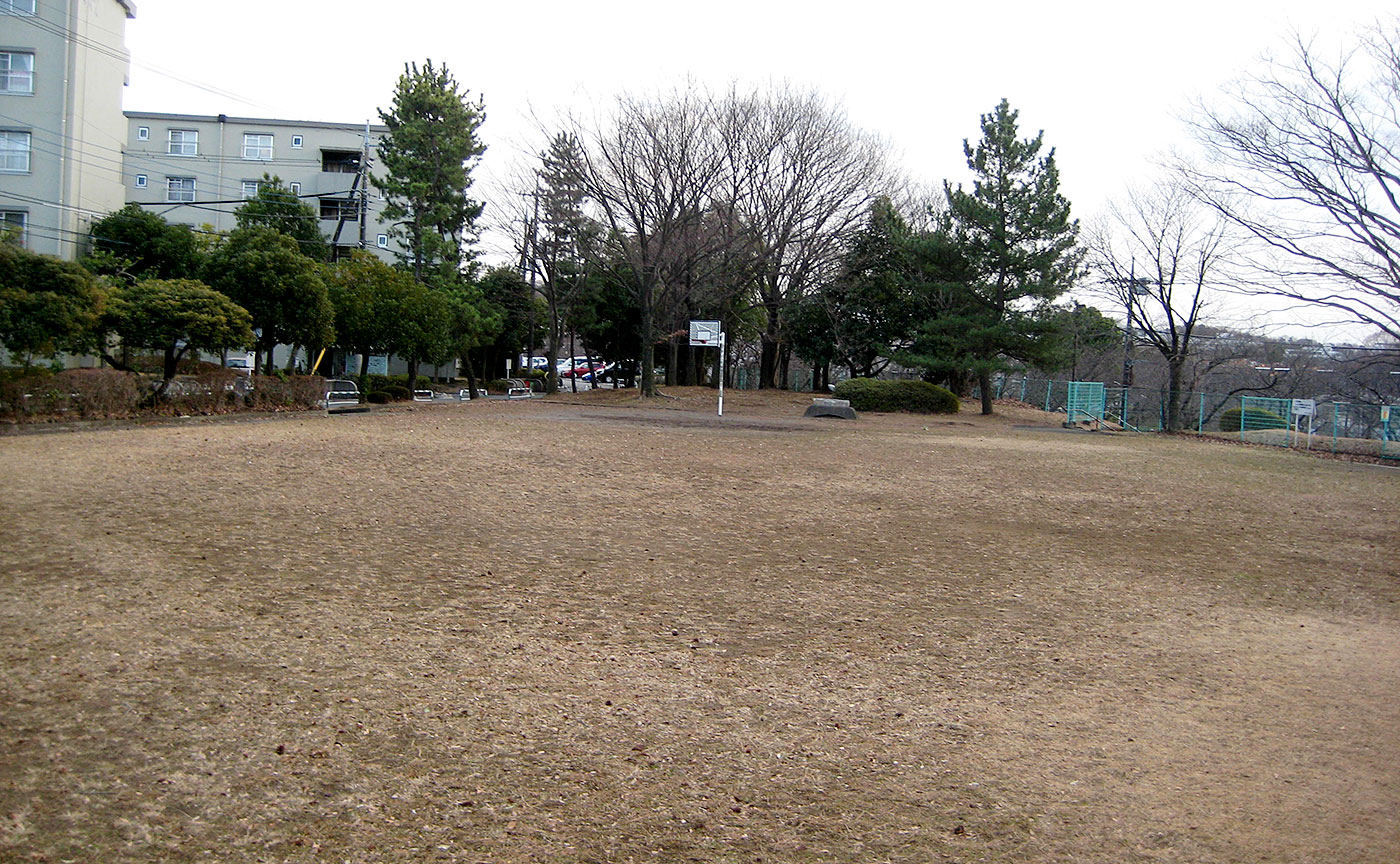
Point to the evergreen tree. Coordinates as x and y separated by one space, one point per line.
47 306
176 317
279 208
429 153
869 305
264 272
1015 232
136 244
559 238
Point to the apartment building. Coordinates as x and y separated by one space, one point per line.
197 169
63 64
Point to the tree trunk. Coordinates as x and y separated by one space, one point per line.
768 358
1174 394
646 387
551 347
471 375
412 374
364 374
984 383
171 361
573 352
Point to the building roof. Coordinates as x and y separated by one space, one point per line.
129 6
250 121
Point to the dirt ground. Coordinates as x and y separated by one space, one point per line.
581 630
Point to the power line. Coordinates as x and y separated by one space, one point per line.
55 28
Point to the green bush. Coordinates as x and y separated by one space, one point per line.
395 392
379 397
919 397
1240 419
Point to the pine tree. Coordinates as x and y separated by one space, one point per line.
429 153
1018 239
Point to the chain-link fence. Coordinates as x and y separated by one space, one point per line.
1338 427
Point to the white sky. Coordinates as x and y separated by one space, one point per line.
1106 81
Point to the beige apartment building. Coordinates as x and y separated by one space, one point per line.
63 64
197 169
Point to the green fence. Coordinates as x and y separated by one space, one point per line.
1337 427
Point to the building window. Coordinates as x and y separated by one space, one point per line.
382 241
295 188
140 181
296 142
14 222
257 147
14 152
250 188
340 161
16 7
339 208
179 189
183 142
16 72
143 133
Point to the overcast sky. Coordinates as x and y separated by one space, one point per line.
1107 82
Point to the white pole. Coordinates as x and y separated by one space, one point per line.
721 373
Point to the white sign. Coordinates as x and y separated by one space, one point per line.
1304 407
704 334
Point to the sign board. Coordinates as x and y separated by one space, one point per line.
1385 413
704 334
1304 407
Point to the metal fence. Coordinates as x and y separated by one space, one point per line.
1338 427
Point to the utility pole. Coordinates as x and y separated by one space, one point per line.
364 186
1132 288
529 253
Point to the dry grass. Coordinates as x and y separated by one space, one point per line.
564 630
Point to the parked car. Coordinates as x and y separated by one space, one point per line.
600 372
240 363
581 369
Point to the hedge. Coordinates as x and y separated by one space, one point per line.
919 397
85 394
395 392
1248 420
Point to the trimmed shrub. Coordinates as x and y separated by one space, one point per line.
395 392
74 394
275 393
1242 420
919 397
379 397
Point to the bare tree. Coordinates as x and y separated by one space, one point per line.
1159 255
801 178
650 172
1306 159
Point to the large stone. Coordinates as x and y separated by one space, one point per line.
831 408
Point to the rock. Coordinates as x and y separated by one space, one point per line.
831 408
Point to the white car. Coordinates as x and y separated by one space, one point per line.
240 363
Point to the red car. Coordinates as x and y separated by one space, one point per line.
580 370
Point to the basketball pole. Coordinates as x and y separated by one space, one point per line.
721 373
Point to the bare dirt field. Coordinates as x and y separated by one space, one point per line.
581 630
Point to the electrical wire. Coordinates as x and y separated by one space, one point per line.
55 28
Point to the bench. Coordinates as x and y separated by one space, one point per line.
423 395
517 388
